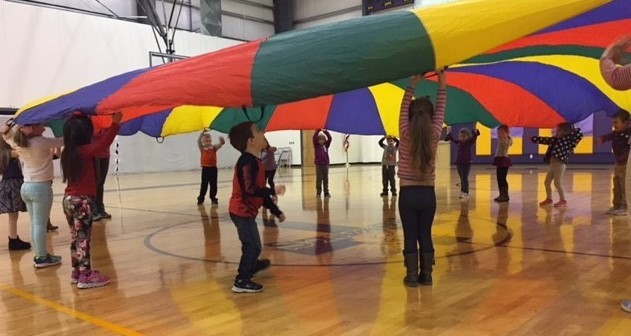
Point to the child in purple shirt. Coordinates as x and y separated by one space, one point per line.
465 142
620 145
321 143
269 162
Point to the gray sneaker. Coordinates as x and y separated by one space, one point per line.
619 212
47 261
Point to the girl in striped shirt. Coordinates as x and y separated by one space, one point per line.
420 126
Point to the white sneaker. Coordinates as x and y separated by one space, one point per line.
461 195
464 195
626 305
611 210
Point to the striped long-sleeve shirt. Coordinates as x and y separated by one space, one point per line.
618 77
408 174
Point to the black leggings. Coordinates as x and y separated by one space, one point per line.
502 172
417 207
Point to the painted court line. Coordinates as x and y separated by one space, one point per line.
68 311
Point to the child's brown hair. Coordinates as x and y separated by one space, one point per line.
240 134
421 133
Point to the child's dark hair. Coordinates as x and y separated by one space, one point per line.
565 127
422 133
78 131
240 134
623 115
465 131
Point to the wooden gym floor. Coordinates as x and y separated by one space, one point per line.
514 269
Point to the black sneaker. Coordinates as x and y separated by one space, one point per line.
246 286
105 215
17 244
200 201
47 261
214 202
262 265
96 217
394 194
383 194
327 195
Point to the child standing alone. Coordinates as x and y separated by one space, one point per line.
208 153
388 164
560 147
620 145
502 162
77 164
269 162
321 143
465 142
248 195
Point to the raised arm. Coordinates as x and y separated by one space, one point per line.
441 104
404 114
315 136
542 140
616 74
222 142
381 142
327 143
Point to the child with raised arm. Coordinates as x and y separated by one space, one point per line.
465 142
502 162
208 152
321 143
36 157
420 126
388 164
77 164
619 138
560 147
249 193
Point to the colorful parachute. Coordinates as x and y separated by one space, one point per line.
308 63
543 79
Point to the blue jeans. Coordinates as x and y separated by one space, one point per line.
38 197
250 245
463 172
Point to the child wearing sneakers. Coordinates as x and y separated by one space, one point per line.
10 200
502 162
36 157
321 143
388 164
465 142
269 162
77 164
249 193
208 153
620 145
560 147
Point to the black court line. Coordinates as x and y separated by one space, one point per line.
148 244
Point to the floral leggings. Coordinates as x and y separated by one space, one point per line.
78 211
